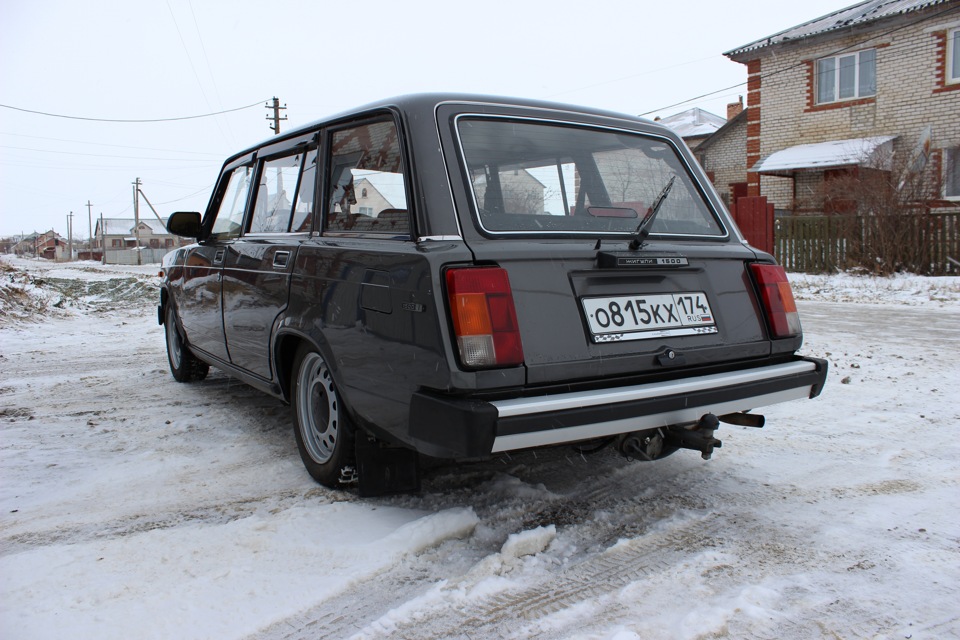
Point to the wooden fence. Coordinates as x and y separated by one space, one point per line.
922 243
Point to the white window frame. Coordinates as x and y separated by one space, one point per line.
951 160
836 77
953 64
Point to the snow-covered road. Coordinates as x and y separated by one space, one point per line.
133 506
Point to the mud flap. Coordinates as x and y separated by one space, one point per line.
384 470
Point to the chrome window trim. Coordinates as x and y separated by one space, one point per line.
439 238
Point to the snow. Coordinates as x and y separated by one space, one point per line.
873 152
693 123
133 506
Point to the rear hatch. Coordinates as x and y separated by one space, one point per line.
617 262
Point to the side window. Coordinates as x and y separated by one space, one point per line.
304 206
367 188
281 196
229 221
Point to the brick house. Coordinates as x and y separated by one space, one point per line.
723 155
48 245
855 90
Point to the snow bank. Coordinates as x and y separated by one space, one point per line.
208 581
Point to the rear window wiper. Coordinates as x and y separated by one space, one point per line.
643 229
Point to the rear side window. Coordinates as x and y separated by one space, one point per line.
233 204
285 194
544 178
367 186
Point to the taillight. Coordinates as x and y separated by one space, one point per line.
484 318
778 302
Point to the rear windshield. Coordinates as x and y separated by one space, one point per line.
543 177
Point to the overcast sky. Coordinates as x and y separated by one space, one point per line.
161 59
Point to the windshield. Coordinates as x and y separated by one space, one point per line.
544 177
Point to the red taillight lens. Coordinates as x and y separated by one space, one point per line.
484 318
778 302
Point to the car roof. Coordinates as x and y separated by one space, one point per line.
428 102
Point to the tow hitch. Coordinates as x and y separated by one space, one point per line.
698 437
653 444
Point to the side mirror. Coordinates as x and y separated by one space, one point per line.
184 223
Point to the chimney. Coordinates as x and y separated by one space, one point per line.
734 109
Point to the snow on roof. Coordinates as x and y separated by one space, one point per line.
124 226
860 13
874 152
693 123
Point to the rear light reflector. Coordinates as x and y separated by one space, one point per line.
484 317
778 302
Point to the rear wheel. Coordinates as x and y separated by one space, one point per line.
184 366
324 435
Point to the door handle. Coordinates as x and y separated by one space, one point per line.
218 257
280 259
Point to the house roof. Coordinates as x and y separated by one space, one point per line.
869 152
860 13
693 123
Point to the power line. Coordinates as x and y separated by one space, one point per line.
764 76
103 155
203 115
119 146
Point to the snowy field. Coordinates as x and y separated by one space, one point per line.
135 507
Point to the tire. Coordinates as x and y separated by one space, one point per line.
184 366
325 437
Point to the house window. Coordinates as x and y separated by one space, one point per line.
951 182
953 57
847 77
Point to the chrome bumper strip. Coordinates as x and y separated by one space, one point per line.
686 415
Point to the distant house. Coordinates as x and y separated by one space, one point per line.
370 201
867 88
48 245
693 125
122 233
723 155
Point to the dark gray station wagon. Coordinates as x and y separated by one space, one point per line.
457 276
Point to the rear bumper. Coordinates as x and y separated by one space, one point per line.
466 428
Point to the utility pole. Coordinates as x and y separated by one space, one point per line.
136 217
90 228
69 238
276 115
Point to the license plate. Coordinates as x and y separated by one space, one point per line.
644 316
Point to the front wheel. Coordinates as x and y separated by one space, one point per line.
184 366
324 435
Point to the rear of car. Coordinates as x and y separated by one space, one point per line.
461 276
609 298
